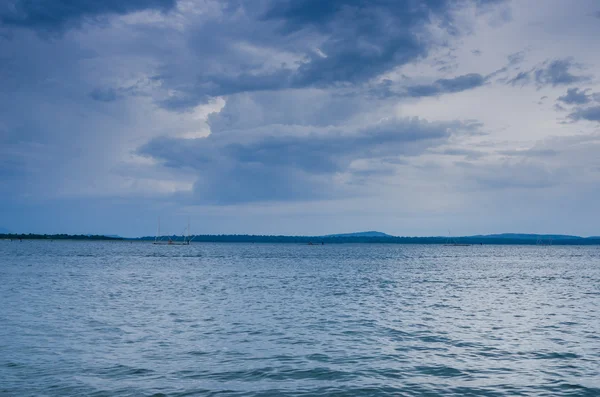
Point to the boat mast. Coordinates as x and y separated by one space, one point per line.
188 231
158 235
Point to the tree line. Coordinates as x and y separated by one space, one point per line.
32 236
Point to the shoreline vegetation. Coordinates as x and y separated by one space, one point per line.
32 236
497 239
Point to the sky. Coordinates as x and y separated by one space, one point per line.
300 117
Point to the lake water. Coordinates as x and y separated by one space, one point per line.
122 319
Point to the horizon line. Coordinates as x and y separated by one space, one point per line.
331 235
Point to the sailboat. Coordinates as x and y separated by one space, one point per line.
158 239
452 242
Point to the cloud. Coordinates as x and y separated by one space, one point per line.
540 166
386 32
308 107
468 154
104 94
529 152
445 86
552 73
258 63
558 72
309 104
276 45
516 58
519 170
520 175
56 15
589 114
575 97
285 162
522 78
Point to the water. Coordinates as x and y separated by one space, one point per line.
121 319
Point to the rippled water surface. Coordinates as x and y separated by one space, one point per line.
121 319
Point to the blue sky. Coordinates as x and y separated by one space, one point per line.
300 116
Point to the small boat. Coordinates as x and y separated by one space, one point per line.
542 241
158 239
452 242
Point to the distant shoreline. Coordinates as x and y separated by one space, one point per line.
509 239
83 237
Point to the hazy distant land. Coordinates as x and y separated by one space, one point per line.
32 236
361 237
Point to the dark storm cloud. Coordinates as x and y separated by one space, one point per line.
363 38
213 85
51 15
290 162
296 72
328 44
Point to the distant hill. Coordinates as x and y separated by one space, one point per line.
360 234
4 231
